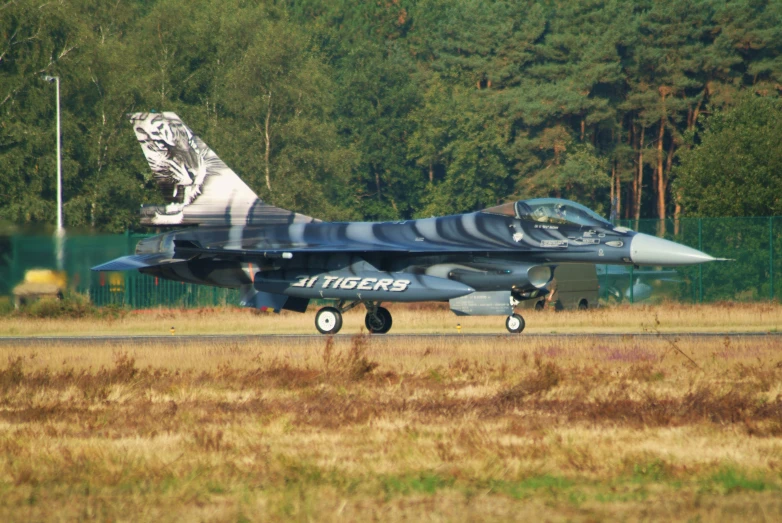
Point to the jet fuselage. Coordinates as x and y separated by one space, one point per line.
482 262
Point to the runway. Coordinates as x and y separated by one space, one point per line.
256 338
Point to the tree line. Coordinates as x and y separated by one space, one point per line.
396 109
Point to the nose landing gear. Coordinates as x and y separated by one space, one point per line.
515 323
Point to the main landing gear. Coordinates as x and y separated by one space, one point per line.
377 320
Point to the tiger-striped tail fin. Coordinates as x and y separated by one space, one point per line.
199 187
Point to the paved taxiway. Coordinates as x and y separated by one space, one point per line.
244 338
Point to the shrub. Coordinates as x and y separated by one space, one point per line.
72 305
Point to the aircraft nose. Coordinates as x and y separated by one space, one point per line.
650 250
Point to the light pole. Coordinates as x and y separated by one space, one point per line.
60 231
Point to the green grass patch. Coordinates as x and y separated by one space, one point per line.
622 496
6 305
526 487
651 471
730 480
425 483
214 487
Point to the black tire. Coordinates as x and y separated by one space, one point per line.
328 320
539 306
378 323
583 305
515 323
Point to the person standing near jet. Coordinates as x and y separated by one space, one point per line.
552 298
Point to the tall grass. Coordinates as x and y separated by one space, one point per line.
376 428
74 319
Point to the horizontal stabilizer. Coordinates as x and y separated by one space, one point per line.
136 261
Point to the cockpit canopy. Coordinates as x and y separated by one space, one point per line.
551 210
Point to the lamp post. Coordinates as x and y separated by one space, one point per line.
60 231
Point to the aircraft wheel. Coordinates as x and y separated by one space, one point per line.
328 320
583 305
515 323
539 306
378 323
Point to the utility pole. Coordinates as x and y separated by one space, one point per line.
60 233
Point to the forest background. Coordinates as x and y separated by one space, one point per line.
395 109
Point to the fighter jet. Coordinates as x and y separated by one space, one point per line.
481 263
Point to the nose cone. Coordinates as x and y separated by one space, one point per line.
650 250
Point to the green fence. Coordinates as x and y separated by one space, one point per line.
754 243
18 254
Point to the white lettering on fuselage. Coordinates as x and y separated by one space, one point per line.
366 284
586 241
353 283
400 285
327 281
349 283
306 282
553 243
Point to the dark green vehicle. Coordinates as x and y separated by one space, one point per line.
574 286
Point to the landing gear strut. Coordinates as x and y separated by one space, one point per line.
515 323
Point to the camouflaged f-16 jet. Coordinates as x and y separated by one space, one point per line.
482 263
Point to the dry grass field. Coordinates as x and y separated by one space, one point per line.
373 428
427 318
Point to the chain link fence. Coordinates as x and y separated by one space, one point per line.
754 274
754 244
